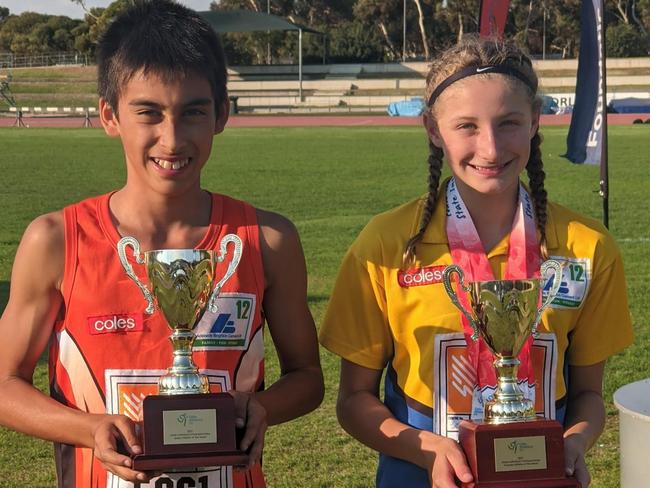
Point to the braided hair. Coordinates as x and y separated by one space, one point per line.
473 50
435 170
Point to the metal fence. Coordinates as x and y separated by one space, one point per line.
10 60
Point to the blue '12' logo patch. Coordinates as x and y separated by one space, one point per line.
576 276
229 327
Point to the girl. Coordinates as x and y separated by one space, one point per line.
389 310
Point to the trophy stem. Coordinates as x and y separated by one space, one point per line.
508 404
183 377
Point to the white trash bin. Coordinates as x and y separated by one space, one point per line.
633 403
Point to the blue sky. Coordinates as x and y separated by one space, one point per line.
73 10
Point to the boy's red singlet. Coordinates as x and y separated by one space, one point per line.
106 355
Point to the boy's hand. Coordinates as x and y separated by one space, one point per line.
574 459
251 415
113 431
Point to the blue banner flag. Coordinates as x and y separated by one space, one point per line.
588 124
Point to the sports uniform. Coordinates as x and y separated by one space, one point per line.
382 316
107 355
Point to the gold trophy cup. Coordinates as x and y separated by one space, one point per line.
184 425
515 445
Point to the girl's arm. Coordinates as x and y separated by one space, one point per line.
363 416
585 417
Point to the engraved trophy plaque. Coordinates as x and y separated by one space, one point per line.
184 425
511 447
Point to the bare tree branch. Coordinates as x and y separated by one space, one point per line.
82 4
423 34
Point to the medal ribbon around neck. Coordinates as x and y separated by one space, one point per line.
468 253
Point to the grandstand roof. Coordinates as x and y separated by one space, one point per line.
249 21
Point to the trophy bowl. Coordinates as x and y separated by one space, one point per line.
505 313
511 447
183 286
181 281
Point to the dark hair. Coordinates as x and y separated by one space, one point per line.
476 51
160 37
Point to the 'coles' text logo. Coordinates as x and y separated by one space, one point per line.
111 324
420 276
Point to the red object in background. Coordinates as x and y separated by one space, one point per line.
492 20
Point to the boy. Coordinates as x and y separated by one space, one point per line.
162 86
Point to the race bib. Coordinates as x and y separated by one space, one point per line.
457 396
219 477
125 391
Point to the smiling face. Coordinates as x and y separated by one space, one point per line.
166 128
484 124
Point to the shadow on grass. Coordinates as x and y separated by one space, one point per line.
315 299
4 295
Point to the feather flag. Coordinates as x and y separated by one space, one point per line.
493 16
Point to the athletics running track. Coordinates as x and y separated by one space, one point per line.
307 120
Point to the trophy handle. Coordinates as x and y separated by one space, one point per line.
552 293
446 279
123 243
232 266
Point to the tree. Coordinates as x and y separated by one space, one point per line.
624 40
461 16
383 14
643 8
4 13
320 12
353 42
358 30
564 20
102 17
16 30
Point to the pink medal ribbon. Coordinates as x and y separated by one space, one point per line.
468 253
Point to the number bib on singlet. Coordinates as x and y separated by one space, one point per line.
220 477
455 388
125 390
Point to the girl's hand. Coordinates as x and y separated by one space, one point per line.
445 461
574 459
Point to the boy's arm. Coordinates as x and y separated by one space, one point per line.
299 389
26 325
300 386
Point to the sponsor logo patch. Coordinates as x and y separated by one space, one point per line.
115 323
428 275
230 326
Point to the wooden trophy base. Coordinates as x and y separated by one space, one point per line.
183 431
520 454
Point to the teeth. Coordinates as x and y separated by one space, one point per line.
496 166
163 163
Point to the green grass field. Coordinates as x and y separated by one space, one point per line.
329 182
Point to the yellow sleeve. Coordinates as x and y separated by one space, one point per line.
604 326
355 326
